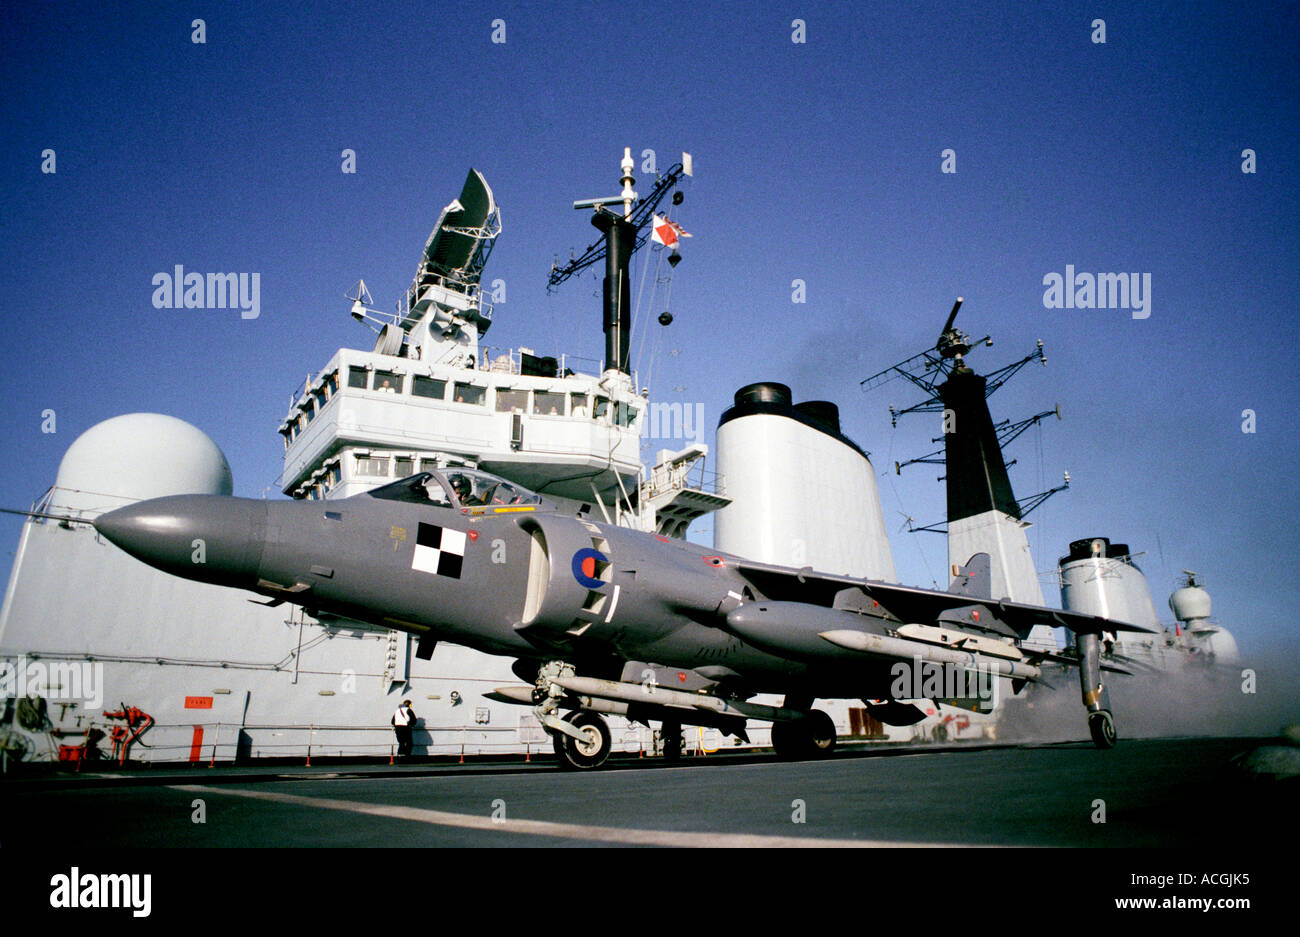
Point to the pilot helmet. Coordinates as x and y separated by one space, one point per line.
460 484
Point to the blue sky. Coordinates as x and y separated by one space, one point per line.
818 161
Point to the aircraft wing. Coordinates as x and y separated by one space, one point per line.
908 603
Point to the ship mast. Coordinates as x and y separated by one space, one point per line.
623 235
983 514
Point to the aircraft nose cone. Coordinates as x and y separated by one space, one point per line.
209 538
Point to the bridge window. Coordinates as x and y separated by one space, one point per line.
578 405
602 408
403 467
470 393
429 387
357 377
548 404
372 467
386 382
508 401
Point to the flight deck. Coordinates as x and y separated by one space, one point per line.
1181 793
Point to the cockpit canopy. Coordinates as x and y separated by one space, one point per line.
470 490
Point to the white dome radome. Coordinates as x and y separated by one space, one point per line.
1222 645
1190 603
138 456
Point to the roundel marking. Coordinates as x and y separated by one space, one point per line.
584 568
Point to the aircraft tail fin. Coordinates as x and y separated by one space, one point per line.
974 579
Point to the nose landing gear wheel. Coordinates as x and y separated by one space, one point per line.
1102 727
589 753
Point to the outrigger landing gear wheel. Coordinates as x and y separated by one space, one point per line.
589 753
1102 727
785 740
821 732
810 737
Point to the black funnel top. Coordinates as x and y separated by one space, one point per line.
763 392
821 411
774 398
1082 549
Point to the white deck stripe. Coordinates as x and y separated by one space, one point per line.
602 834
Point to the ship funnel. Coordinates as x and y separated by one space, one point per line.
802 493
1101 578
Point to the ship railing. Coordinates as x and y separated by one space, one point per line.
500 360
694 476
49 502
41 504
472 291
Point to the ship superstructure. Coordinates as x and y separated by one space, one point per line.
196 673
429 394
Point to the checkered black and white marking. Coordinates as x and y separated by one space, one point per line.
439 550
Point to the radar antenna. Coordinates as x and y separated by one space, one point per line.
928 369
938 372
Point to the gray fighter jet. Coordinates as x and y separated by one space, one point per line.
603 619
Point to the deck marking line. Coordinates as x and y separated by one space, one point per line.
603 834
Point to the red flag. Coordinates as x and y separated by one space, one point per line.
666 232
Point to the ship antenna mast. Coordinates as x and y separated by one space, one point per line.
622 236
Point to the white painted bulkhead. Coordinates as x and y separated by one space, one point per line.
1002 537
1110 587
800 498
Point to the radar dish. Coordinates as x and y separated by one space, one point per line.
461 239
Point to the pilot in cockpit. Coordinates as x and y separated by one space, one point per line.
464 490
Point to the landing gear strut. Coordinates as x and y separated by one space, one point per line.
1096 699
582 740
